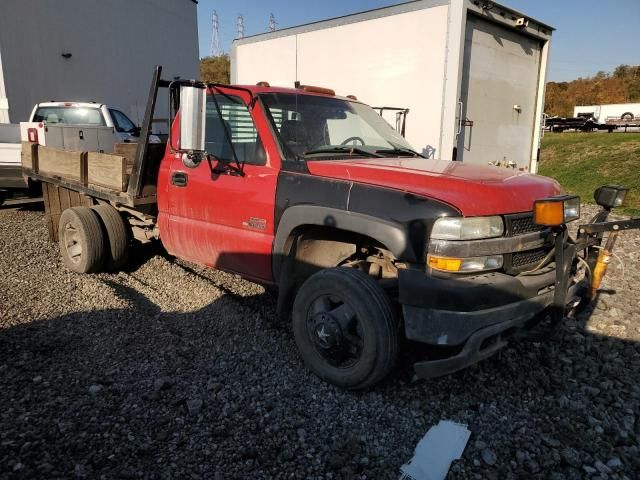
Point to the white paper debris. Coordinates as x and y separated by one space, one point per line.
442 444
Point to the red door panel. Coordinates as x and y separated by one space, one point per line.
223 221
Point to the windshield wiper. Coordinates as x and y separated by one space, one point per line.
345 149
399 150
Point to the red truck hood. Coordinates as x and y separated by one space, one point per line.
474 190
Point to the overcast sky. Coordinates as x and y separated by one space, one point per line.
591 35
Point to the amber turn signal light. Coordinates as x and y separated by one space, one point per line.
321 90
556 211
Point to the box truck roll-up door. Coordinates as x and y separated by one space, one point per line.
498 95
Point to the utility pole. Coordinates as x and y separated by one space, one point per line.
214 49
240 26
272 23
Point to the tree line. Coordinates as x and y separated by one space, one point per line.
620 86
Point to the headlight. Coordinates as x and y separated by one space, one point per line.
471 228
470 264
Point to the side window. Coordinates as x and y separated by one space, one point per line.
121 121
238 121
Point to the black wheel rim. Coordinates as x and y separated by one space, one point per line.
72 243
335 331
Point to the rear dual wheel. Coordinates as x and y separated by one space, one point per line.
93 239
345 328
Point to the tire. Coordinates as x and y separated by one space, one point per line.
325 297
81 240
116 235
626 116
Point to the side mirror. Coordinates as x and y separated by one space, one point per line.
192 118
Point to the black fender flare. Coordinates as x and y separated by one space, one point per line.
390 234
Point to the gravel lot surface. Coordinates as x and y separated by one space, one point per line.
172 371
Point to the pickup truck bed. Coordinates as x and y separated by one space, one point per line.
10 168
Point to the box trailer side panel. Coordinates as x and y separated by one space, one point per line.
272 61
394 60
498 94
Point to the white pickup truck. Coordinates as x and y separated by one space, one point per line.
10 168
58 114
88 114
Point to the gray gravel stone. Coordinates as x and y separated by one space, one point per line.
165 334
489 456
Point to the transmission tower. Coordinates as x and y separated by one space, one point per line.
240 26
214 50
272 23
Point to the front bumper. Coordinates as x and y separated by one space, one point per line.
474 314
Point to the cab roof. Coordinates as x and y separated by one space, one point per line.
258 89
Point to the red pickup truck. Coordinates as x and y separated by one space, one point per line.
366 240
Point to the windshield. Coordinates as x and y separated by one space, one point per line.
325 127
69 115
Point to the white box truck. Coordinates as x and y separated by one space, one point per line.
471 73
613 112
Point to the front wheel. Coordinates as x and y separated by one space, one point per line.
345 328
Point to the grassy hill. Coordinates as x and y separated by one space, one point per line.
583 161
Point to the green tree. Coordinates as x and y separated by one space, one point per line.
215 69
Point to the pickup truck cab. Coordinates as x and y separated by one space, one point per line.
88 113
366 241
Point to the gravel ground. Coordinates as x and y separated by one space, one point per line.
172 371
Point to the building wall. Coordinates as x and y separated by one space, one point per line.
114 45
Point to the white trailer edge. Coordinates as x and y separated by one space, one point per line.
471 72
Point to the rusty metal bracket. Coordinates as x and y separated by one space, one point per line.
592 228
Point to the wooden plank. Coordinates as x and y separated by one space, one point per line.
106 170
65 199
128 151
29 156
62 163
54 198
74 198
47 191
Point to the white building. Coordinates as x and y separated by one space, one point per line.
92 50
471 72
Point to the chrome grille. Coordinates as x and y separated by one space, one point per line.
531 257
520 224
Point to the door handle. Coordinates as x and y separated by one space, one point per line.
460 120
179 179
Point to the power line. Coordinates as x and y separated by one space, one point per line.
272 23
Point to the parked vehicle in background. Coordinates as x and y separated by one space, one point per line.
366 240
583 122
471 72
10 167
88 114
610 113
